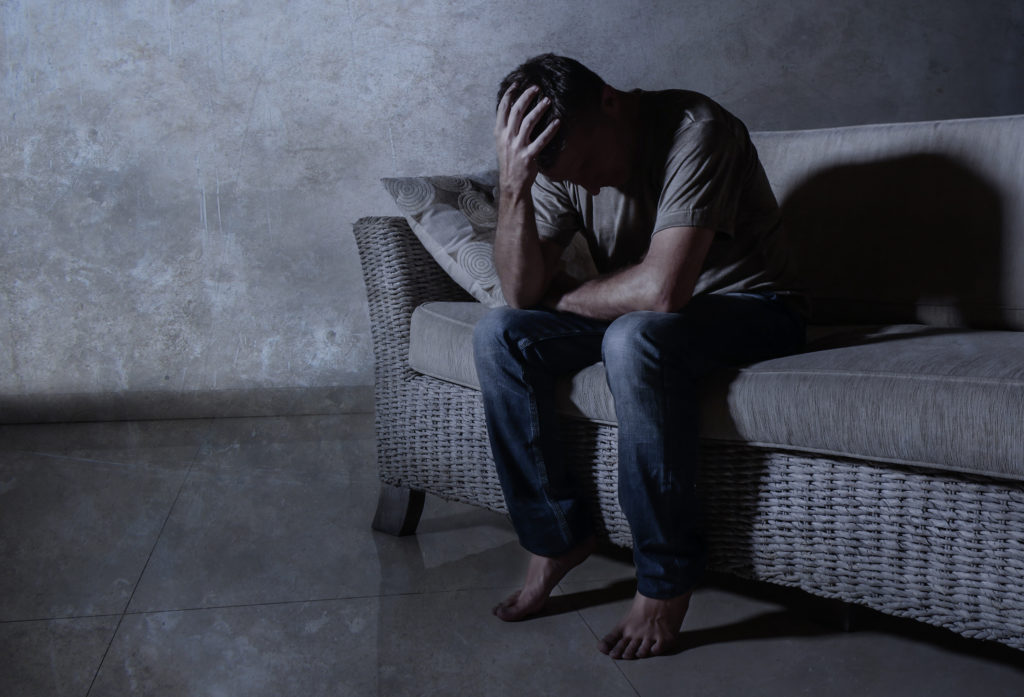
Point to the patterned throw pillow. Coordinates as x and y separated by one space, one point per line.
455 219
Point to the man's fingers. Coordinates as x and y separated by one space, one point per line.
515 117
544 138
514 126
504 106
531 119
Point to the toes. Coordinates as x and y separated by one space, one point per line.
620 648
646 648
618 645
506 608
630 652
608 643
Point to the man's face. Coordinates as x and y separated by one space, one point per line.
591 158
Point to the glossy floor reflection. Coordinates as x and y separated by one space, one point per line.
235 557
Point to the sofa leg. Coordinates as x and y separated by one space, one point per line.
848 617
398 510
839 615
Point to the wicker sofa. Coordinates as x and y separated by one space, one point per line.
883 466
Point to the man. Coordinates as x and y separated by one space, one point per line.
670 195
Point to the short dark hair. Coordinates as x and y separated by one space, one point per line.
574 91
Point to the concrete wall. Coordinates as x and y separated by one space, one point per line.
178 178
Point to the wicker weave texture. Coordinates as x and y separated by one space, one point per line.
938 547
941 548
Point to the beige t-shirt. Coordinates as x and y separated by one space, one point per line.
695 167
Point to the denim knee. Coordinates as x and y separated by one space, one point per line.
496 330
632 337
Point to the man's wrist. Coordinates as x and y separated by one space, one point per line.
515 193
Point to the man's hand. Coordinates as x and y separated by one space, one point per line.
517 155
561 284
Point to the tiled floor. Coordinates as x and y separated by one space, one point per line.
234 557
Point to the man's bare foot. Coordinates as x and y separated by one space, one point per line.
542 575
650 628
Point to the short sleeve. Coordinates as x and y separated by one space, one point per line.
704 175
557 218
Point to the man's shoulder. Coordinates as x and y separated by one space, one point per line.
679 108
685 124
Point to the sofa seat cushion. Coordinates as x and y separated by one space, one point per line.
911 394
944 398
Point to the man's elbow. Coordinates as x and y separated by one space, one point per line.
517 304
519 298
524 293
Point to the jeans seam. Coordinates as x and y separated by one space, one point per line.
538 458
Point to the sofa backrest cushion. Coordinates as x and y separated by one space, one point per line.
912 222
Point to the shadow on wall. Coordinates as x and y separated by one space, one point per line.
906 240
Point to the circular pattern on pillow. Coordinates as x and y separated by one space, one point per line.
412 195
455 184
477 258
478 208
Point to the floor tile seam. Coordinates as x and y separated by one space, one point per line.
106 652
65 618
156 542
185 479
114 463
617 664
240 606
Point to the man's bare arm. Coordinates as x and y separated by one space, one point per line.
664 281
525 263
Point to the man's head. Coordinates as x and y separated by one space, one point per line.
574 90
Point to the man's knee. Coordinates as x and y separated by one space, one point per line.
498 329
636 335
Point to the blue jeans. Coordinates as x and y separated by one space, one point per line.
653 361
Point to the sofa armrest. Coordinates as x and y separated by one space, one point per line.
399 275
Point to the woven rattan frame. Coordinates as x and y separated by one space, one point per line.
935 546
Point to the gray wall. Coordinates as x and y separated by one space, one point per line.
178 179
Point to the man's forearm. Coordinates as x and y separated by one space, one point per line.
517 251
519 255
663 282
611 296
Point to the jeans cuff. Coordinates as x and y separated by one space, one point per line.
664 589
